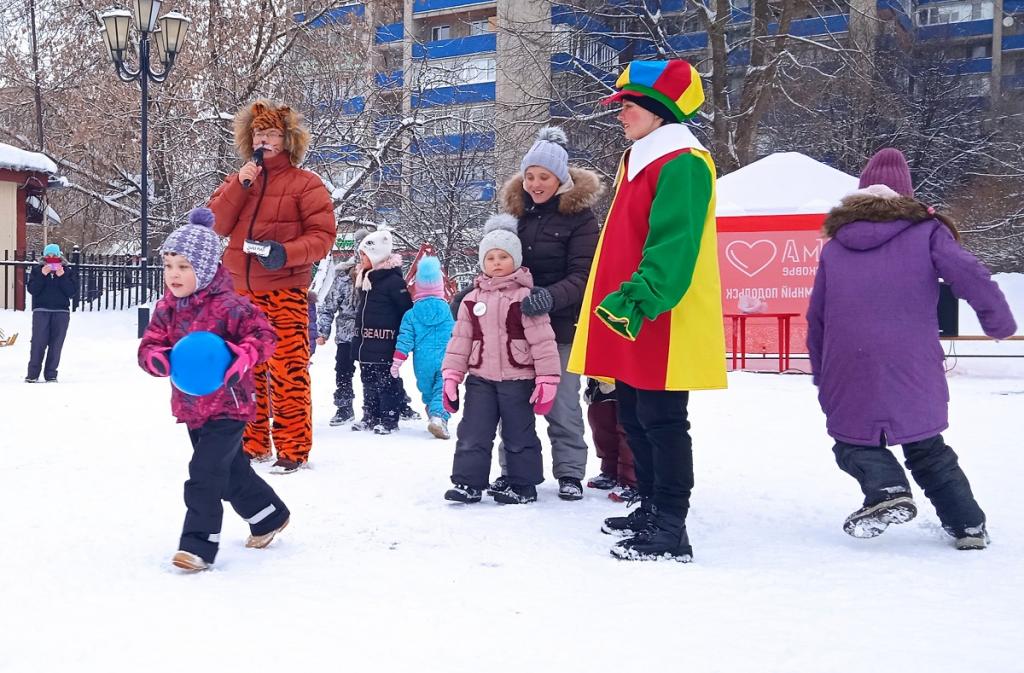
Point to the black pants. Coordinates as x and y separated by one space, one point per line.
657 429
382 394
344 370
935 468
220 470
48 331
487 403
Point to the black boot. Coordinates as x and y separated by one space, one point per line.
632 523
664 539
515 495
343 415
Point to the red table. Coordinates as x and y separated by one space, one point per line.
739 327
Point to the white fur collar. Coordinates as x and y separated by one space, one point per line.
658 143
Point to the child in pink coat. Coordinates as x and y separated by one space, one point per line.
513 367
201 297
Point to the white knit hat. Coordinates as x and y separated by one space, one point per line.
500 233
377 246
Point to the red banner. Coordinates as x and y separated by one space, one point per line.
768 263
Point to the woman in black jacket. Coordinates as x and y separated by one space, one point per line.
558 229
52 284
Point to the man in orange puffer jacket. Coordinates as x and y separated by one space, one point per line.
279 219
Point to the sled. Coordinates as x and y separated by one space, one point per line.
9 341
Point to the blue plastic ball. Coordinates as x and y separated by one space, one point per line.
198 363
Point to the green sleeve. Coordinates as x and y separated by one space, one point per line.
681 202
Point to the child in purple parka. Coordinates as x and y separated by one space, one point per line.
873 341
201 297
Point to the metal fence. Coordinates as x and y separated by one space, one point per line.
104 281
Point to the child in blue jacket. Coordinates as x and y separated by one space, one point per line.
425 330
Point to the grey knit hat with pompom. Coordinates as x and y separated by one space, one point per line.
198 243
549 153
500 233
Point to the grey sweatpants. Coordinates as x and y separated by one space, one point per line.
48 331
565 426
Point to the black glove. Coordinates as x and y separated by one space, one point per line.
539 302
274 259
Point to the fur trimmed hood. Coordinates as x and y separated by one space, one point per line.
296 136
874 206
587 189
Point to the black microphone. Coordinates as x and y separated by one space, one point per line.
257 156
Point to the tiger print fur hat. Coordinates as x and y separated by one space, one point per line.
265 114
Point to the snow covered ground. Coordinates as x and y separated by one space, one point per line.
378 572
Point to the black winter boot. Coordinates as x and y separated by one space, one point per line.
343 415
665 539
515 495
632 523
463 493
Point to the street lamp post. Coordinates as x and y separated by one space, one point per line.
170 38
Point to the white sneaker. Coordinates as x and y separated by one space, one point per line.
189 562
438 427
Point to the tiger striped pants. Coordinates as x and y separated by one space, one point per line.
282 383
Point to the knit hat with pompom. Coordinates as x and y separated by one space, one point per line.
429 280
549 153
198 243
500 233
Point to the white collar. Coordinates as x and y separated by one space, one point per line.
658 143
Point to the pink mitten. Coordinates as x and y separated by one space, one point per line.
246 358
543 397
156 362
396 363
450 396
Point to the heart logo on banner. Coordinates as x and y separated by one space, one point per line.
751 258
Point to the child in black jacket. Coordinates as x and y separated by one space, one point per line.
52 284
383 298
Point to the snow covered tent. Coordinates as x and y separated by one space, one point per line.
769 216
23 180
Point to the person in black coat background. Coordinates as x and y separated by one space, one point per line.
553 202
52 284
383 298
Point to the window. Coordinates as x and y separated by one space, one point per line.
478 70
954 12
480 27
440 33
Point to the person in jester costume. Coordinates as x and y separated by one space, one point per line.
652 312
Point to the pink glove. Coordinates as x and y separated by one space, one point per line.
396 363
450 392
156 362
246 358
543 397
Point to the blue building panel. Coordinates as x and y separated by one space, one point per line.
563 15
1013 42
450 144
335 153
825 25
968 66
455 95
392 32
459 46
388 80
342 14
678 43
419 6
949 31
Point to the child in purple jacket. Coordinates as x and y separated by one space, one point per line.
200 297
873 339
514 370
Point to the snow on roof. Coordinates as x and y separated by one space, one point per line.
786 183
15 159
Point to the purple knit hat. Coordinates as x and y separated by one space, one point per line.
888 167
198 243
